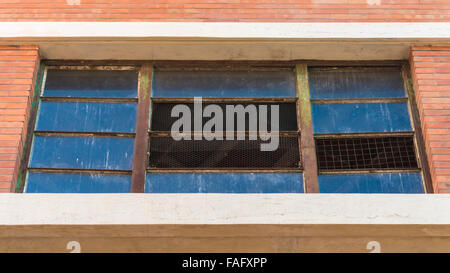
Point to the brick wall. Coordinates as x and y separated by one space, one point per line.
227 10
431 73
18 69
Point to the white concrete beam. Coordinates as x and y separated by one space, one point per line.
224 41
225 30
154 209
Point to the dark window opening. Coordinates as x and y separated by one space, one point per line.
162 120
372 153
168 153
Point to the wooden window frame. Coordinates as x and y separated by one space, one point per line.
305 133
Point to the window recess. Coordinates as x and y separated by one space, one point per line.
106 127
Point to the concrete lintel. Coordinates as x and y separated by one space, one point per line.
225 30
223 41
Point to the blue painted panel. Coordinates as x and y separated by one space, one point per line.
223 84
353 83
360 117
111 153
224 183
87 117
91 83
76 183
371 183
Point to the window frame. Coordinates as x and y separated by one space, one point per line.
303 102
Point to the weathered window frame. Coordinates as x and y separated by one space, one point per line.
144 102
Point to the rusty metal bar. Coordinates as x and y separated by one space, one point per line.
91 67
419 138
368 135
367 100
222 65
359 64
246 133
89 99
245 64
225 100
141 142
224 170
126 64
83 134
363 171
306 143
86 171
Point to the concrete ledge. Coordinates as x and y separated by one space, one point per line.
223 41
224 223
223 209
225 30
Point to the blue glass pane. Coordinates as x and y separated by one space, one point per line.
224 183
76 183
356 83
371 183
91 83
82 152
87 117
224 84
360 117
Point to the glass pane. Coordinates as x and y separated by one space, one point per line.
91 83
355 83
82 152
38 182
360 117
224 183
371 183
224 84
87 117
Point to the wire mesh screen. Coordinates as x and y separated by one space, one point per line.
185 154
366 153
162 120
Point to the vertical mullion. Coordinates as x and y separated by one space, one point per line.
141 141
419 139
307 145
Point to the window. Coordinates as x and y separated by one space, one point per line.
84 134
212 128
223 164
363 133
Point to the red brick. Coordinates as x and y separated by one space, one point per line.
18 66
230 10
431 74
442 178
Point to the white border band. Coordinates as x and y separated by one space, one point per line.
225 30
151 209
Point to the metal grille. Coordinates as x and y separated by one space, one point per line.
185 154
366 153
162 121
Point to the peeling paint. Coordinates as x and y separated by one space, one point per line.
144 81
73 2
374 2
